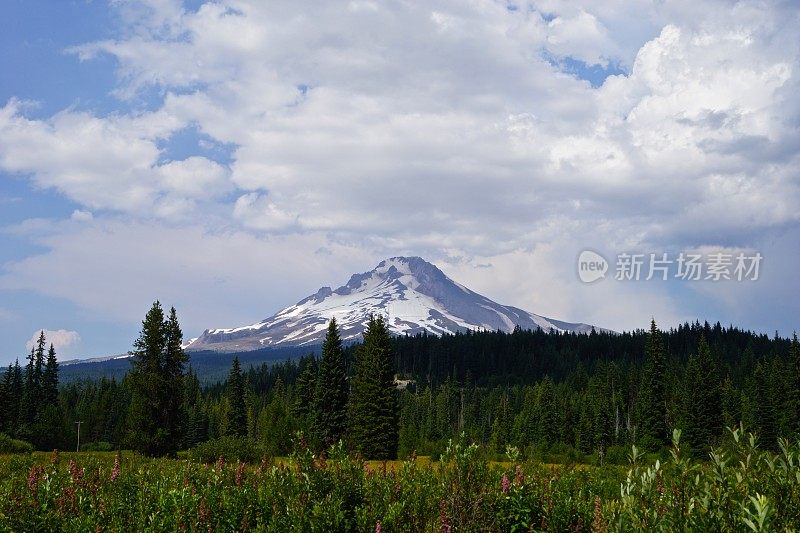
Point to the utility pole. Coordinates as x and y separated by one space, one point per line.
78 447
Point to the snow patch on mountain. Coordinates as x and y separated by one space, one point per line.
411 294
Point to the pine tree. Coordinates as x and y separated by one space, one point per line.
50 379
331 394
5 407
731 404
15 395
702 400
373 409
794 362
237 413
652 400
156 385
764 407
38 368
173 365
30 394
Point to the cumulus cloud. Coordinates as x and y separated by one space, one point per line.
435 128
65 342
115 269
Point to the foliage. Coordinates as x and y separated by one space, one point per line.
742 488
230 448
9 445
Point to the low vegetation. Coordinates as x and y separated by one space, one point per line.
741 488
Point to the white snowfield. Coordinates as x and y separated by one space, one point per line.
411 294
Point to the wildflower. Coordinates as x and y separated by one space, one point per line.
505 484
33 478
519 476
66 502
239 474
116 469
598 524
75 471
55 457
203 512
378 527
220 463
445 521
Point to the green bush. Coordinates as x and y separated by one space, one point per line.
9 445
101 446
232 449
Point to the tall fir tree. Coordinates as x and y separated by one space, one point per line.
331 394
156 382
765 409
50 378
652 400
173 366
15 389
702 411
794 361
237 413
38 368
731 404
305 388
5 407
30 394
373 406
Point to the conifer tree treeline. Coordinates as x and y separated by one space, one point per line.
29 402
550 394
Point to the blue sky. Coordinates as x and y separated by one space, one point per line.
231 157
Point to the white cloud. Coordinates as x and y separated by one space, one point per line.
79 215
581 37
116 268
66 343
432 128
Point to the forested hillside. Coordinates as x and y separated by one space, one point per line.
557 396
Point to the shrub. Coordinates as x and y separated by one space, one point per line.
233 449
101 446
9 445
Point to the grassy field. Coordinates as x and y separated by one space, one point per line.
741 489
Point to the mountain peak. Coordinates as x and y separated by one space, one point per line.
413 296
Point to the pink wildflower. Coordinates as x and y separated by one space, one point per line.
33 478
116 469
239 474
75 471
505 484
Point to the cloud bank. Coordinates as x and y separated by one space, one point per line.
448 130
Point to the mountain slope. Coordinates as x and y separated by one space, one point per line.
412 294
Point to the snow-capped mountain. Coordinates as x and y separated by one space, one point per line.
412 295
